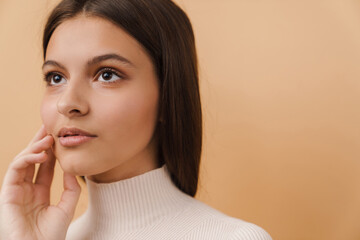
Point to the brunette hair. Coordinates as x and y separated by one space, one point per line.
165 31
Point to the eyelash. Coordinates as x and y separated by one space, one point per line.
47 76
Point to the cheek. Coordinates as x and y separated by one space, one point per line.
131 118
131 114
48 114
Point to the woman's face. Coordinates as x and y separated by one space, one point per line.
103 82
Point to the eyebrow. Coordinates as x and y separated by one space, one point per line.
95 60
113 56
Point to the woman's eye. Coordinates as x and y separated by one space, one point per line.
108 76
53 79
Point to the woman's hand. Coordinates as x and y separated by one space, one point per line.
25 211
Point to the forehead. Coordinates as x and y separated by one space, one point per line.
83 37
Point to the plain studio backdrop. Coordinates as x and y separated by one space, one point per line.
280 85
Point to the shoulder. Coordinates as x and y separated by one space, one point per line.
248 231
213 224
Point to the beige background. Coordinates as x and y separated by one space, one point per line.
280 89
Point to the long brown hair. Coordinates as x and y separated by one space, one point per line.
165 31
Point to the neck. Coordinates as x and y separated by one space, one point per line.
143 162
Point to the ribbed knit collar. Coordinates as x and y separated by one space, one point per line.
135 202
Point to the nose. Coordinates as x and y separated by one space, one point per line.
72 102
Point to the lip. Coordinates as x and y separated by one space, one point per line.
70 136
73 141
74 131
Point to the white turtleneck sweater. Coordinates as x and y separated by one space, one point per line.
149 206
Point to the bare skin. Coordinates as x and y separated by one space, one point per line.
25 210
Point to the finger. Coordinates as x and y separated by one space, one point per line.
39 146
29 173
44 144
70 195
17 171
39 135
46 170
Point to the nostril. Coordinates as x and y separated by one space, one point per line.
74 110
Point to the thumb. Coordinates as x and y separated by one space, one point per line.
70 195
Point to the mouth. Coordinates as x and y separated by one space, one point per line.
65 132
70 137
74 140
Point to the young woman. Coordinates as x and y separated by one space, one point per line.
122 108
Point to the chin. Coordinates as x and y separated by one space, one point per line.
72 169
76 165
